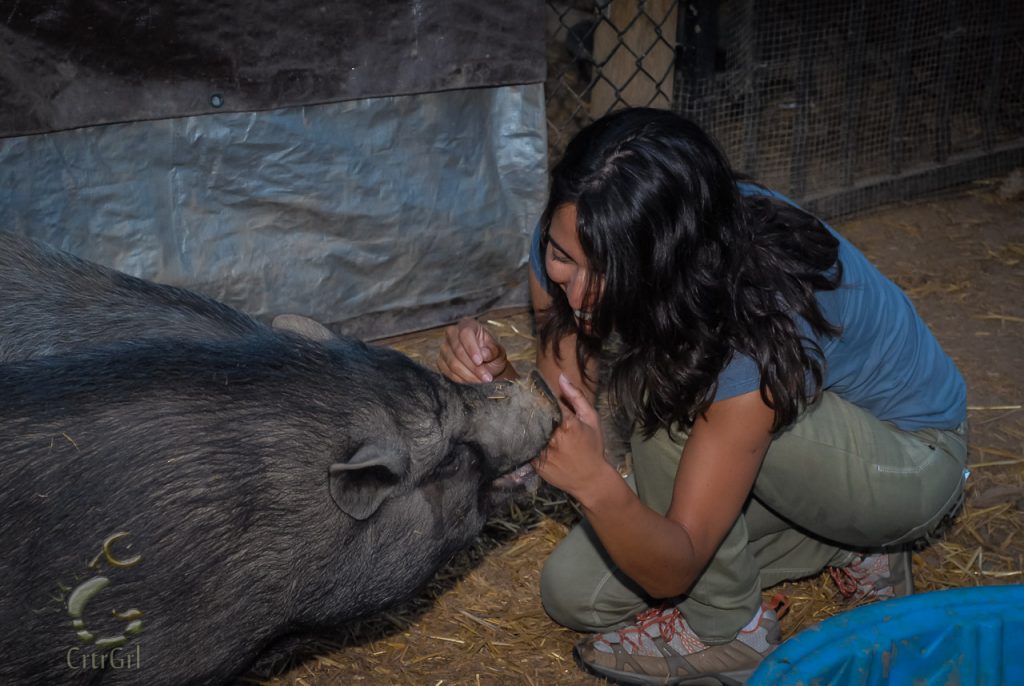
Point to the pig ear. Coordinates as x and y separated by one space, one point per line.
304 326
360 484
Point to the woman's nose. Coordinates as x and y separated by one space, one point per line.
576 290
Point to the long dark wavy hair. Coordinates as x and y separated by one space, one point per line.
693 272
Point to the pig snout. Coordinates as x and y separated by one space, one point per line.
517 420
538 385
538 388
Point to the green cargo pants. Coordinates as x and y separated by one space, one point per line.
836 481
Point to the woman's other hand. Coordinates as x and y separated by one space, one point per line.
471 354
574 458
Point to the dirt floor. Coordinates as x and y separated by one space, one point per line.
958 255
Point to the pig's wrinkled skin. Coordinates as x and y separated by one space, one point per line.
231 491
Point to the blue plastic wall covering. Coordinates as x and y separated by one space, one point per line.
375 216
959 637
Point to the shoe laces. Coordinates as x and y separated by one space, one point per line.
863 577
669 624
778 605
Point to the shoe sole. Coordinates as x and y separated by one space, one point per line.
737 678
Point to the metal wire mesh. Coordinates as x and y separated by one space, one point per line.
842 104
604 56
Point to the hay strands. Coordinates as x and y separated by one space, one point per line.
993 408
999 317
1011 458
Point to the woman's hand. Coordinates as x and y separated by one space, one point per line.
574 458
470 354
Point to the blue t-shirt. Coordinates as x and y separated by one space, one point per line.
885 361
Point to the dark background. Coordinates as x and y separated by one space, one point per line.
71 63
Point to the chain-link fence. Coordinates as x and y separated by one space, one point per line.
842 104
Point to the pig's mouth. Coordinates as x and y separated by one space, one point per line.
523 477
508 487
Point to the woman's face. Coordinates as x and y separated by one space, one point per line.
566 264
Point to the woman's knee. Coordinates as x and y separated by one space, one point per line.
561 597
582 606
580 588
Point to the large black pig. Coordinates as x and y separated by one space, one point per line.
53 302
170 507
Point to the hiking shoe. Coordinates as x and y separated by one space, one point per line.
660 648
878 576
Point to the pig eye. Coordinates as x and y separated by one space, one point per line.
460 456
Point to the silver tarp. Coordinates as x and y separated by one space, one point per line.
376 216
